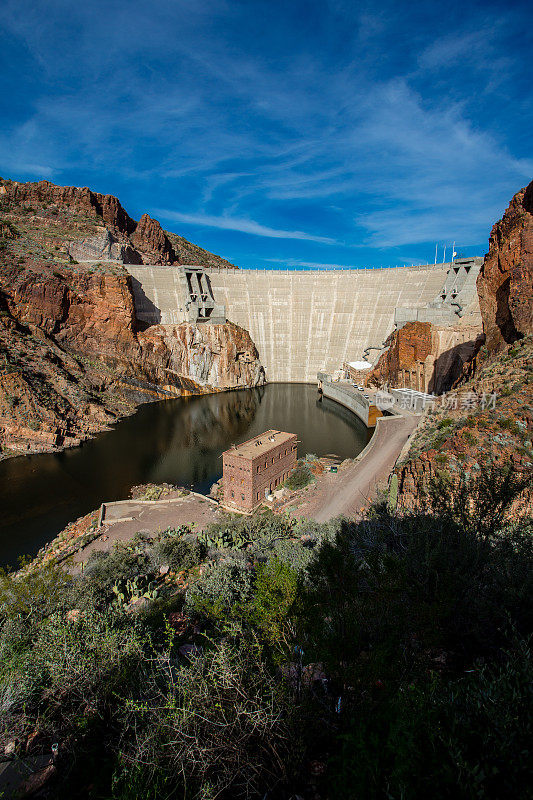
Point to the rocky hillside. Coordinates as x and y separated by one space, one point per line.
72 356
488 417
47 222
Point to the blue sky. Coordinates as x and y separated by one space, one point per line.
279 133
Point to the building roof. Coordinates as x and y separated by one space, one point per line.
260 445
360 364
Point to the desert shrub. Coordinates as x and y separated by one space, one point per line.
462 739
300 476
397 588
469 437
509 424
445 423
64 675
482 504
295 554
275 591
219 726
177 553
104 570
235 531
224 586
33 594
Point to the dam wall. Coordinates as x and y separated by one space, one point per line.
305 322
302 322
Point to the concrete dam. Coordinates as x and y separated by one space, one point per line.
305 322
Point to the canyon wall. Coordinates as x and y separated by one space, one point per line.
506 278
89 226
73 359
73 356
488 416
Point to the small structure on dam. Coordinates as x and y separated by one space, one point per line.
180 294
255 468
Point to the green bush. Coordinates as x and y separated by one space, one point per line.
176 553
105 569
392 653
224 587
300 476
464 739
446 422
276 588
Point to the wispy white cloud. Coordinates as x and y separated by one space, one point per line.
382 141
241 225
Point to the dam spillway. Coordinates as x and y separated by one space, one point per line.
307 321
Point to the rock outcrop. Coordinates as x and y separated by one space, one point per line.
505 282
424 357
111 233
74 359
214 355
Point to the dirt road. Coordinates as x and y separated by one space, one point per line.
351 489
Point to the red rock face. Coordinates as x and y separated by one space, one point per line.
72 359
150 238
150 245
424 357
77 199
505 282
50 398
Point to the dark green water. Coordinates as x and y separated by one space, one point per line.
179 441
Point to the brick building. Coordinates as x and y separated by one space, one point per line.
255 468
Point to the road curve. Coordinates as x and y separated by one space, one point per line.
350 490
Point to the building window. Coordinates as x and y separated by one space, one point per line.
242 497
233 494
258 468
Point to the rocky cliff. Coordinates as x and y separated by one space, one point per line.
506 279
73 357
74 223
424 357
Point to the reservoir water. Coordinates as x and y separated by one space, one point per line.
178 441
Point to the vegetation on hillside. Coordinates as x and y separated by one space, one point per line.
388 658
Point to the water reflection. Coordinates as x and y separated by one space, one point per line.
178 441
